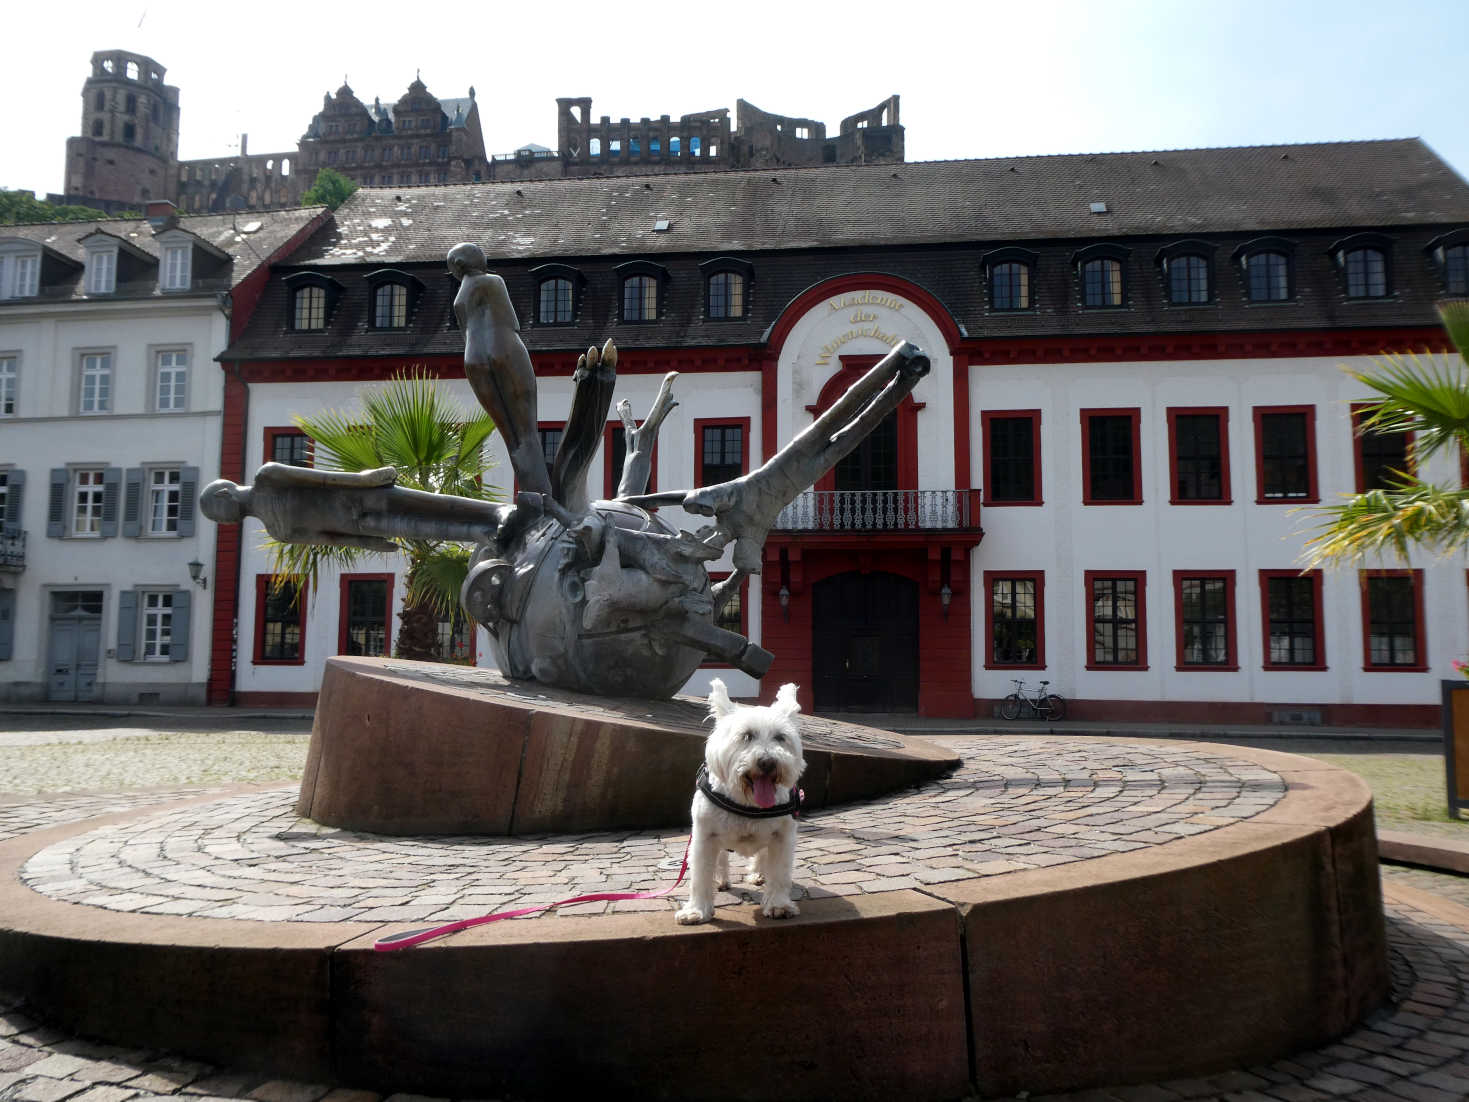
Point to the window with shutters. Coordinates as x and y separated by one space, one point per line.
163 502
156 627
88 495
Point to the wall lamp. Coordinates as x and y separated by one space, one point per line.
196 573
945 596
784 597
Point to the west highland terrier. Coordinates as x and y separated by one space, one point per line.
746 801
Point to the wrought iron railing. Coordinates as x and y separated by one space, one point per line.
880 510
12 551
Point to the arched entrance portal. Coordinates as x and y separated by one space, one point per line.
864 643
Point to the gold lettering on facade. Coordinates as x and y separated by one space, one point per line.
863 307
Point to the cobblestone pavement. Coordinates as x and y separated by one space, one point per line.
1011 806
1414 1050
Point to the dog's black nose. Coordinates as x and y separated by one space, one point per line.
766 764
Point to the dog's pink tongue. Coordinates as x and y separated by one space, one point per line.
764 791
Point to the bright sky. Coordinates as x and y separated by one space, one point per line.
977 78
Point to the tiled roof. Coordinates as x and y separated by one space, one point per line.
1175 192
225 232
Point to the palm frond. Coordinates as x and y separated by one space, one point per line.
1455 317
438 576
1421 395
300 564
1388 524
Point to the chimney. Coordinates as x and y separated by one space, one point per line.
244 144
161 214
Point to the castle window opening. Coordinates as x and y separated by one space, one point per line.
101 100
132 71
96 128
132 104
129 132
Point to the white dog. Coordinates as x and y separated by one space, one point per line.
746 801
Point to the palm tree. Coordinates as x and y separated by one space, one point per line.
410 425
1428 397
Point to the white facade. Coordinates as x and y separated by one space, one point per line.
101 603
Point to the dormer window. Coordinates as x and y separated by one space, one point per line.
20 274
393 295
558 294
101 271
727 283
1100 276
309 308
1364 263
1268 270
642 290
1010 276
312 297
390 306
175 270
1450 255
1187 268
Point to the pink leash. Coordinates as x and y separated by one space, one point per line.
410 938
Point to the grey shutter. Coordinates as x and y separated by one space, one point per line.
56 509
111 491
7 623
178 646
14 494
188 495
127 624
132 499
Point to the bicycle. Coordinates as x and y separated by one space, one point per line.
1043 705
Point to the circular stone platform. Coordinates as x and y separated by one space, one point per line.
1057 913
422 748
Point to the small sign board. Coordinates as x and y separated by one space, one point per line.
1456 743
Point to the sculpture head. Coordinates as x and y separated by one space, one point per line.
467 259
224 501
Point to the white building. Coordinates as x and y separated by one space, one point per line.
1137 394
110 417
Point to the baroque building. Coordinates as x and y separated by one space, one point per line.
111 411
1136 386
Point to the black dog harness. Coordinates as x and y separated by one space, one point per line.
791 807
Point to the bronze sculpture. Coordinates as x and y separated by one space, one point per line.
597 596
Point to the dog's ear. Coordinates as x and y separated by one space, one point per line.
720 704
785 701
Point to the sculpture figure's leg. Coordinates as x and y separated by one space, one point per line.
595 378
641 439
506 388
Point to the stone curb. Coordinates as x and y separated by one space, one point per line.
1429 853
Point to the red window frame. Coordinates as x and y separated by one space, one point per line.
1134 413
273 431
1032 415
719 576
700 424
1359 411
1318 628
1039 578
1313 491
1231 623
1141 578
611 478
1225 491
262 588
1419 633
342 610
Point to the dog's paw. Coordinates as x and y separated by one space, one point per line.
722 884
780 908
692 916
754 877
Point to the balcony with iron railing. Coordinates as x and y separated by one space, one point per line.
857 512
12 551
